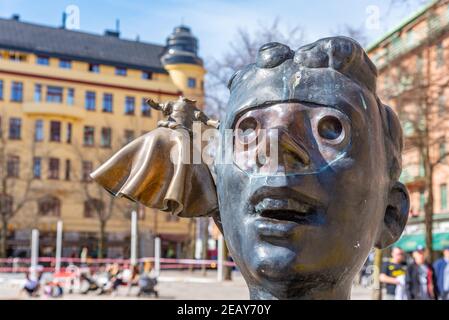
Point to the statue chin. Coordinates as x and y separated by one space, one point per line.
272 262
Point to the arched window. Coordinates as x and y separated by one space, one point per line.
49 206
6 202
93 208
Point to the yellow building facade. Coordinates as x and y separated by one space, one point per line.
68 101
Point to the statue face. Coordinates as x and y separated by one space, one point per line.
311 221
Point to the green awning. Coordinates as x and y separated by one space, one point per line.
409 242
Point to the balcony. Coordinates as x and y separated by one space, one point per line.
401 44
54 109
413 179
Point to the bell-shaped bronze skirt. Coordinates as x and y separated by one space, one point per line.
151 170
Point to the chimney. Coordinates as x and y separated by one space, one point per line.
15 16
64 20
112 33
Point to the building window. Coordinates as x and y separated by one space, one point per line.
191 82
95 68
37 167
65 64
37 92
53 168
441 104
49 206
89 135
106 134
15 128
422 200
146 109
16 91
87 169
107 102
90 100
440 54
70 96
1 89
55 131
93 208
67 169
69 133
17 57
442 151
443 197
38 130
6 203
129 136
54 94
419 64
410 38
147 75
130 105
119 71
43 60
12 166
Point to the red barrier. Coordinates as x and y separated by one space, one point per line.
22 264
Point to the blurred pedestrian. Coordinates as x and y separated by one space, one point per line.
393 273
32 285
441 267
420 278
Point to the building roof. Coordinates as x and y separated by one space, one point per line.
404 23
76 45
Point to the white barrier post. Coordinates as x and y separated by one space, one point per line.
34 252
133 238
58 246
157 256
220 258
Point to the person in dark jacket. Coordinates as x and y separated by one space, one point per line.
420 280
441 267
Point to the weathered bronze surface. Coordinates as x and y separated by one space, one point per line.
299 222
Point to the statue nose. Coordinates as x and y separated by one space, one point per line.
292 154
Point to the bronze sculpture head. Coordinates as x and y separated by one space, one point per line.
299 221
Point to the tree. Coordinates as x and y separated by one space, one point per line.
356 33
16 179
416 88
98 203
243 51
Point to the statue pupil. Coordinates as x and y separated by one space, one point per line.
330 128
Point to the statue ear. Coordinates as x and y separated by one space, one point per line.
396 215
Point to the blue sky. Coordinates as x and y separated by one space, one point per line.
214 22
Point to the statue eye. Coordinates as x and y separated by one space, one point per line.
330 128
247 130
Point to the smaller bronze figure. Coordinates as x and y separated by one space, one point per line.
153 170
181 114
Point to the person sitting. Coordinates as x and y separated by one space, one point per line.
32 285
147 281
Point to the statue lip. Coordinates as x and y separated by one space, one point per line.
284 205
284 193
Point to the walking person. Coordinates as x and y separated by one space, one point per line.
441 267
392 272
420 278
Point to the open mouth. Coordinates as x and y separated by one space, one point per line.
287 210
